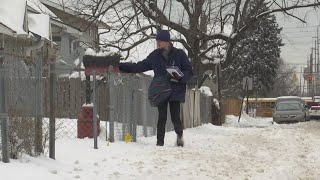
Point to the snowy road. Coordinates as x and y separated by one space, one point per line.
234 151
277 152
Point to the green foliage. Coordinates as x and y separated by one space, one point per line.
256 55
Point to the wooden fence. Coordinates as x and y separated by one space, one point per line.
71 95
232 106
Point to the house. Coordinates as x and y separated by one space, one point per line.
25 46
23 33
72 32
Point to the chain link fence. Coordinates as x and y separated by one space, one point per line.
23 96
121 103
122 108
118 103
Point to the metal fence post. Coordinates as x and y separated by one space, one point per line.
38 123
134 105
3 115
5 136
125 92
95 128
143 109
52 121
108 97
111 106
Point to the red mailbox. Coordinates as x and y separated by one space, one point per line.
100 64
85 123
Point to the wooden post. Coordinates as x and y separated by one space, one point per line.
52 116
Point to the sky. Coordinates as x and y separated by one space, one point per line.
250 149
297 36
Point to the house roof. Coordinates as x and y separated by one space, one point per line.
13 14
6 30
69 29
64 6
36 6
24 18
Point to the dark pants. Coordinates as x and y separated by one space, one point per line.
175 117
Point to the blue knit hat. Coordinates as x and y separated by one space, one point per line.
163 35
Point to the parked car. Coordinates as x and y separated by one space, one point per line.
290 109
314 112
316 98
315 101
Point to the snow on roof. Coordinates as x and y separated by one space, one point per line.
12 14
40 24
285 97
91 52
40 8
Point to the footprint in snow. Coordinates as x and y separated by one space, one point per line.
77 169
77 176
53 171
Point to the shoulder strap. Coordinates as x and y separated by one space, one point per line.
171 61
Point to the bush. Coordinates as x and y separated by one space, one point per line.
22 136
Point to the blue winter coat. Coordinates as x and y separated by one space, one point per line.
156 62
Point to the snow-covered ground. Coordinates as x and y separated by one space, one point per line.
251 149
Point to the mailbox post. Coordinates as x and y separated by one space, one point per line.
94 65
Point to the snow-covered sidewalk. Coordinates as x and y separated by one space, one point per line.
251 149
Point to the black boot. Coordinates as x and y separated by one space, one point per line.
160 143
180 141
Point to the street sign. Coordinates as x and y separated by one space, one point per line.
249 82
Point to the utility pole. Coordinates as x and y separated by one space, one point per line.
300 81
314 76
310 89
314 90
317 52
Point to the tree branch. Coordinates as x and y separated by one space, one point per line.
290 14
185 4
288 8
210 48
236 16
136 43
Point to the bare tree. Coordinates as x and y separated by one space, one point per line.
284 84
208 29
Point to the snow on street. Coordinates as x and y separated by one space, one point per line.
251 149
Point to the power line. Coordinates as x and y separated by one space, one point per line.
299 37
297 32
295 64
300 27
